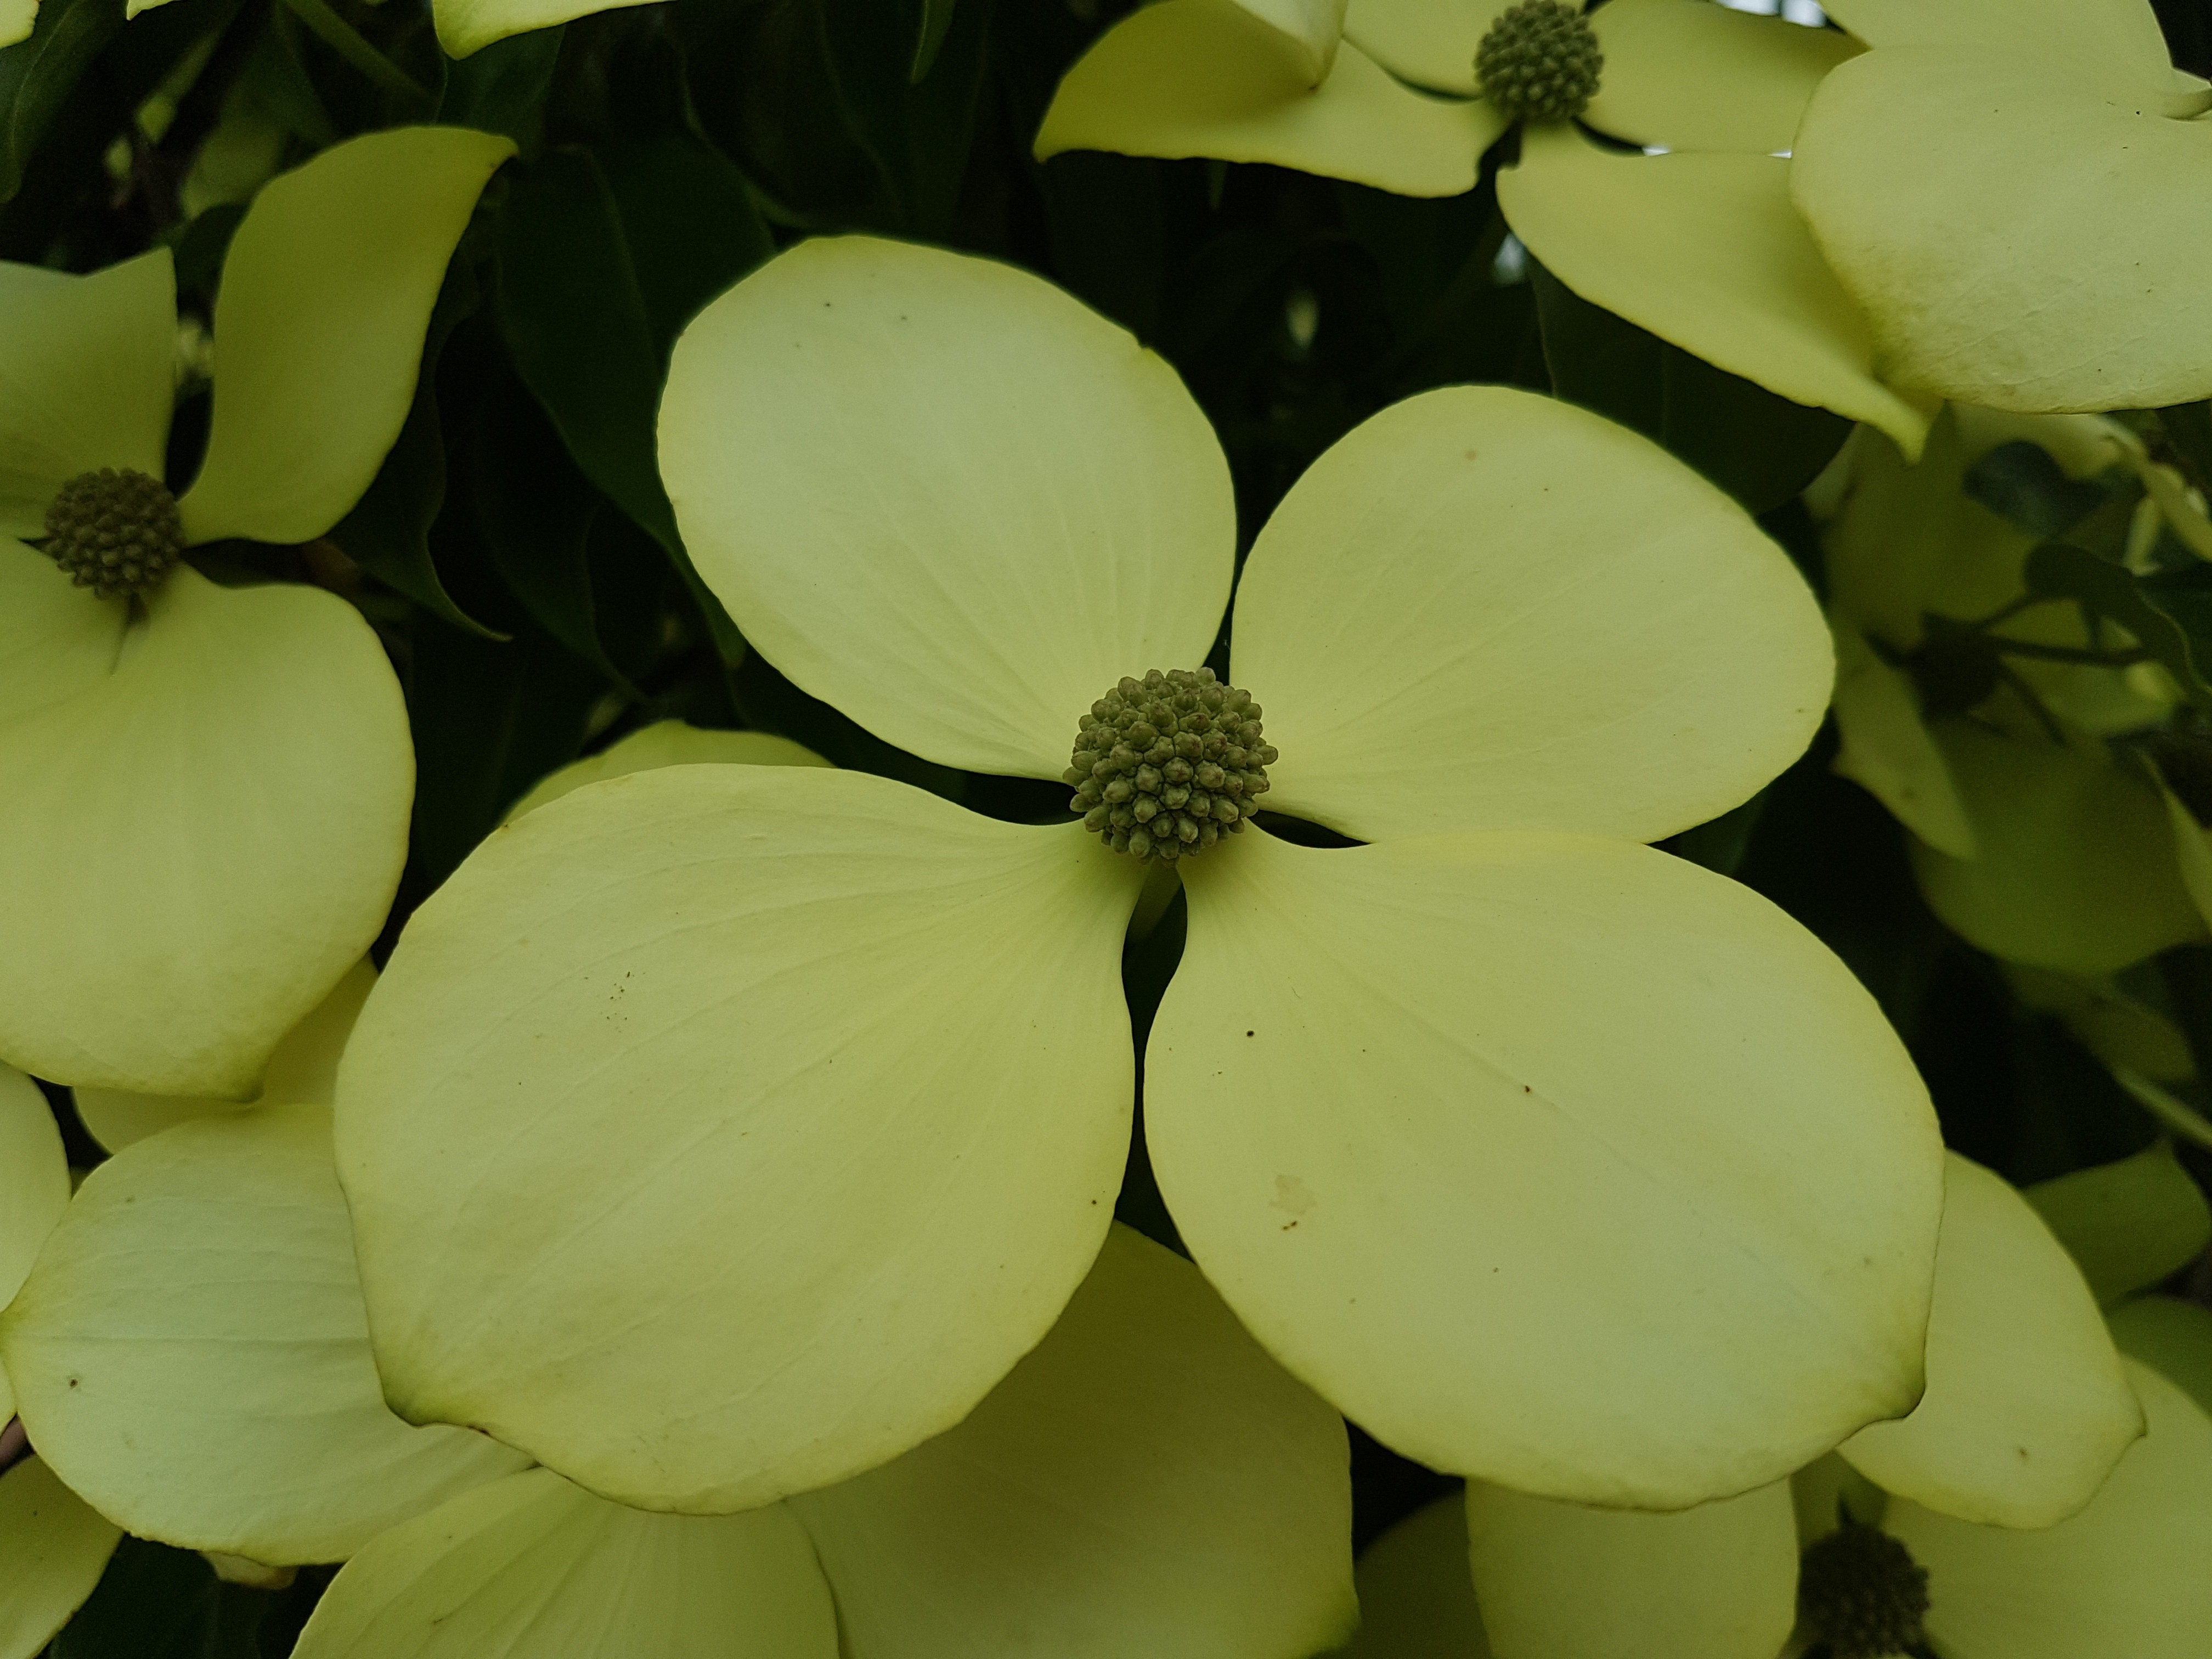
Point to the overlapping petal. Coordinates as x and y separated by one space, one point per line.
195 1409
535 1568
1692 74
1450 626
667 743
2025 1411
1147 1480
945 496
1561 1581
1469 1129
303 1071
2116 43
2053 260
34 1187
2073 868
326 290
2125 1576
53 1547
1431 43
1208 78
1416 1598
1704 250
88 368
203 839
718 1132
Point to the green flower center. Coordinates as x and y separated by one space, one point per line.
115 531
1540 62
1862 1594
1165 765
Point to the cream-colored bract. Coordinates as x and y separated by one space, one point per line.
303 1071
1702 248
253 1425
1145 1469
759 1104
840 1100
1558 1581
203 797
1451 1123
1381 553
2026 1411
666 742
2053 260
2125 1576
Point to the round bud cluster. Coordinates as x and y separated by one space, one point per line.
1540 62
1862 1594
1163 766
115 531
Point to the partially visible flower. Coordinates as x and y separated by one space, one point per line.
817 1089
53 1547
666 742
2048 1499
204 790
2012 189
1980 714
194 1352
1683 224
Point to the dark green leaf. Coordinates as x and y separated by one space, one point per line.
2061 570
2189 429
1761 448
37 76
2023 484
936 19
501 89
688 220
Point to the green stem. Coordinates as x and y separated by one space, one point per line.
341 37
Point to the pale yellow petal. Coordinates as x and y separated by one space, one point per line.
1691 75
468 25
17 19
2050 262
1431 43
941 494
721 1131
1147 1480
1560 1580
53 1547
2126 1576
1416 1596
34 1183
1468 1129
1887 750
1205 77
534 1568
302 1072
2128 1225
202 841
2114 42
2075 869
1704 251
667 743
2173 1338
192 1356
2025 1411
1316 25
1449 627
56 639
86 374
326 290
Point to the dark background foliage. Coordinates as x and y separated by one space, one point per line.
521 564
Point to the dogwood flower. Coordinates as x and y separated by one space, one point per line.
1683 224
53 1547
2047 1500
194 1353
716 1131
1979 718
2008 189
204 790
